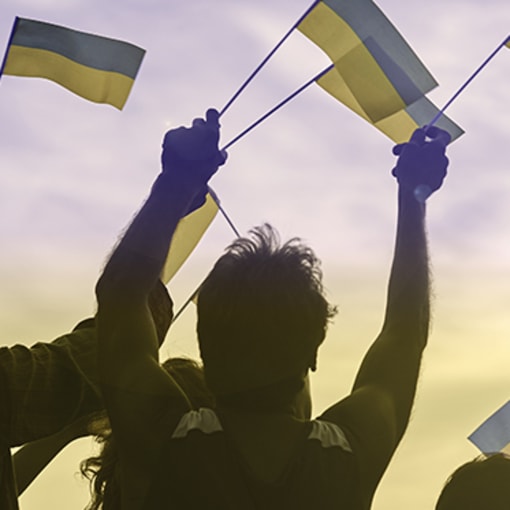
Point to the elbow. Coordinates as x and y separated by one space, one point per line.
410 331
106 290
114 292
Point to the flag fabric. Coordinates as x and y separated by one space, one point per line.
189 231
398 126
376 73
493 435
96 68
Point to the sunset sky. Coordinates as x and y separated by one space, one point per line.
73 173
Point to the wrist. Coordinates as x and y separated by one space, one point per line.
407 196
174 191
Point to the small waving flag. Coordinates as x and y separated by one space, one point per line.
189 231
493 435
377 64
399 125
96 68
376 73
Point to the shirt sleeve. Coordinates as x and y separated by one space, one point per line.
47 386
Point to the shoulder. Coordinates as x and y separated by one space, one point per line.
329 435
44 386
204 420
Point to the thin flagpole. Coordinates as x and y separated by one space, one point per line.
11 37
468 81
185 305
423 191
223 212
277 107
264 62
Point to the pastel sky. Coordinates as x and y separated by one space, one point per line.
73 173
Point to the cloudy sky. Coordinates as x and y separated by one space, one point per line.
74 172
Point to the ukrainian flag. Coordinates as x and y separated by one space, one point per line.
376 73
96 68
189 231
398 126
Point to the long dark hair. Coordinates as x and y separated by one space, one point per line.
101 470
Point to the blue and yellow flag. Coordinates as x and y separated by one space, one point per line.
96 68
376 73
189 231
400 125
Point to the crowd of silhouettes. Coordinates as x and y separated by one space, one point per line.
234 431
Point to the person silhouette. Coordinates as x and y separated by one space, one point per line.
48 392
480 484
261 317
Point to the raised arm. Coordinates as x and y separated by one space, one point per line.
32 458
377 412
135 388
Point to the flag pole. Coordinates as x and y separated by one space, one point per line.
11 37
423 191
264 62
468 81
277 107
185 305
223 212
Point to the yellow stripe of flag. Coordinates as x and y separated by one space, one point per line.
376 73
375 62
398 126
92 84
96 68
189 231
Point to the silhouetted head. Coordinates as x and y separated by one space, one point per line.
262 315
189 375
482 484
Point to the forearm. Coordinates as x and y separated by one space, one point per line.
127 334
393 361
31 459
407 308
136 263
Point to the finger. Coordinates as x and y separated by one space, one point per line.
212 117
435 149
398 149
172 133
198 122
222 158
439 135
418 137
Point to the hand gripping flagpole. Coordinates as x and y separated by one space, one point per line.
266 59
423 191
